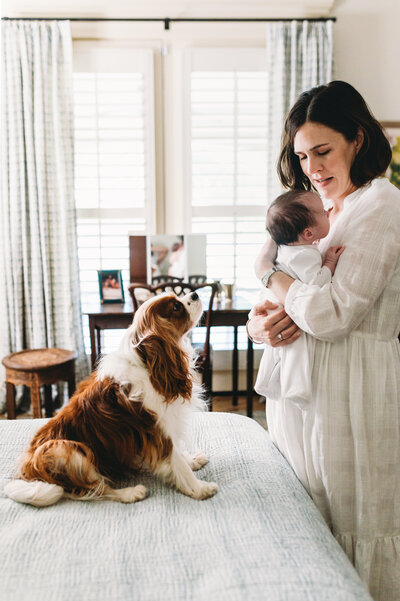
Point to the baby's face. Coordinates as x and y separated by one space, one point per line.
320 228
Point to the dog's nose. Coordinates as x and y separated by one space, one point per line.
194 296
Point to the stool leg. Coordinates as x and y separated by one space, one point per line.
35 398
48 401
10 401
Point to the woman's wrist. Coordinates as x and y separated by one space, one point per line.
265 280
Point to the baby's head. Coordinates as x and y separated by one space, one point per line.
297 217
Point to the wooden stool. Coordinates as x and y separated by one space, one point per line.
35 368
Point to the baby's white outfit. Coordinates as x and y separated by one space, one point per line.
285 372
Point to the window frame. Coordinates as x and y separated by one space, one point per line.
102 54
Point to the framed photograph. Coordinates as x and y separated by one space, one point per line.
110 286
155 258
392 129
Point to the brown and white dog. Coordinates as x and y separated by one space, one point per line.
131 413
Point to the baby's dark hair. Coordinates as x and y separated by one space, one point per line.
287 217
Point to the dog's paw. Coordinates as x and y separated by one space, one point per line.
198 461
132 494
206 490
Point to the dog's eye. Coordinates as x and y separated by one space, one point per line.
177 306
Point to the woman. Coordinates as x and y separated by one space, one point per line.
345 448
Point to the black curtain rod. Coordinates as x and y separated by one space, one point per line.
166 20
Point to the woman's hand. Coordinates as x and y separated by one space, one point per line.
274 327
266 257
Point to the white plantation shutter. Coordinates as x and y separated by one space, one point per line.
226 171
114 159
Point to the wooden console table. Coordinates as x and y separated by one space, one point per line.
233 314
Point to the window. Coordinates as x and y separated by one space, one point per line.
227 157
114 158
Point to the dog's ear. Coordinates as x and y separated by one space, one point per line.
168 366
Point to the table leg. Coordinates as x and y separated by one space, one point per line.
48 400
10 401
235 370
250 368
98 336
93 349
71 381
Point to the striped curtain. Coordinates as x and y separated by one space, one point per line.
39 291
299 57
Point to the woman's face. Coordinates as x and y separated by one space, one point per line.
326 158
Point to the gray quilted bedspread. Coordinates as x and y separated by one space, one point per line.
259 538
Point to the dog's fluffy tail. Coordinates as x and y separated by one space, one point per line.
34 492
54 469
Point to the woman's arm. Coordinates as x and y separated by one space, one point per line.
279 282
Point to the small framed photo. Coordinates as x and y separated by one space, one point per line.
110 286
392 129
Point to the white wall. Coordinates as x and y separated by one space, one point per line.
367 52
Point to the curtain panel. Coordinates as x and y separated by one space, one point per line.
299 57
39 295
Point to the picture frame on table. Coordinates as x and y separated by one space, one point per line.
111 286
392 129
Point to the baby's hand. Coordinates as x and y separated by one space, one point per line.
332 256
263 307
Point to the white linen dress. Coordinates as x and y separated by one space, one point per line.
345 446
286 371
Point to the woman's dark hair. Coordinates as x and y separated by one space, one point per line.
288 216
339 106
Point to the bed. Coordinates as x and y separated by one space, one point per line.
259 538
